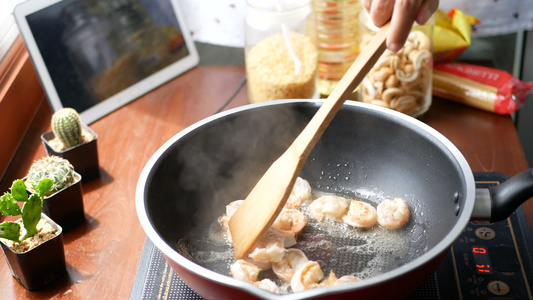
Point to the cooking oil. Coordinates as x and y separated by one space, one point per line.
337 31
362 253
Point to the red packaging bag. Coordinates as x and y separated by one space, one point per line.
481 87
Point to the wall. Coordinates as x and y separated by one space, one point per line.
515 55
524 118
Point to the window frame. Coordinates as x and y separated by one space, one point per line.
21 96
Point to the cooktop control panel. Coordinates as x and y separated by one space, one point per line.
491 260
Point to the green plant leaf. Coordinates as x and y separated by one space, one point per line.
18 190
31 214
10 231
44 185
9 206
34 187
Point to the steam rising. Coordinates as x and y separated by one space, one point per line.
223 160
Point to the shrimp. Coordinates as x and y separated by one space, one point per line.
244 271
272 246
345 279
393 214
287 238
300 193
332 278
293 260
224 221
307 277
290 221
361 215
232 207
267 285
230 210
261 265
272 251
328 207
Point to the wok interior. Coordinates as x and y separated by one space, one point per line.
362 152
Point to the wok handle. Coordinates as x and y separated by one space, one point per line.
510 194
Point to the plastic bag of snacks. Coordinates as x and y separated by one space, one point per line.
452 34
480 87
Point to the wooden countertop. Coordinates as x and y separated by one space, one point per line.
103 254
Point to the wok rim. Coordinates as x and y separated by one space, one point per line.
463 218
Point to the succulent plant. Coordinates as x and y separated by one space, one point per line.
66 125
30 212
53 167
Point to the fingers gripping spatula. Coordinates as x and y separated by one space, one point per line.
266 200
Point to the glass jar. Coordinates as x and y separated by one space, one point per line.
337 27
280 51
401 81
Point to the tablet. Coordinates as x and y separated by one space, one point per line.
97 55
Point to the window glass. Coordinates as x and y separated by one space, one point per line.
8 28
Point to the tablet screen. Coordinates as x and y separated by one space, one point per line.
97 55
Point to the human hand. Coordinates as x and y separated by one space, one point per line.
402 14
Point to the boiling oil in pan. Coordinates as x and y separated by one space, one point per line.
333 244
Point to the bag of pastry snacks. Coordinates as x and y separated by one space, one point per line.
481 87
452 34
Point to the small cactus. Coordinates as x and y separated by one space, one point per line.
66 126
53 167
30 212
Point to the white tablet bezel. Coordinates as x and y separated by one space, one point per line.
123 97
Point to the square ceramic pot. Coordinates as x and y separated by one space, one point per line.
66 206
84 157
40 265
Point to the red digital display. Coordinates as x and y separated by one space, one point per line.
481 260
479 250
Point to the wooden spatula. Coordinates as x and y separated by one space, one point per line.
264 203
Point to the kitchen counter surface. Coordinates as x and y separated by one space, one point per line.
103 253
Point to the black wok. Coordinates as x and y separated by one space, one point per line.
366 152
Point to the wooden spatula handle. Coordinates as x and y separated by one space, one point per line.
343 91
264 203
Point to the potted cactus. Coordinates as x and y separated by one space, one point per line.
34 251
63 202
74 141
